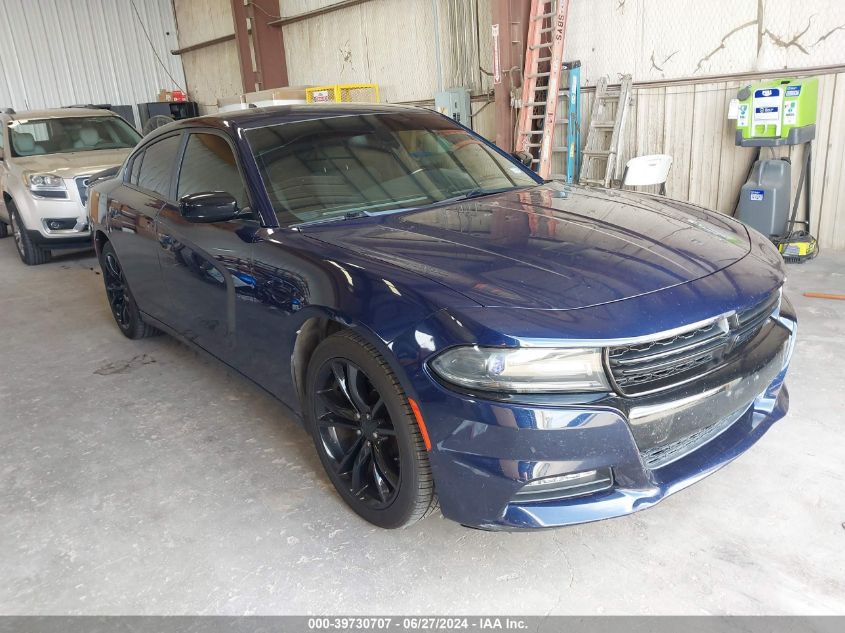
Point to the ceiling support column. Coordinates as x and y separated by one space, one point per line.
261 47
510 28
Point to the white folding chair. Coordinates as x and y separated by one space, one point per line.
647 170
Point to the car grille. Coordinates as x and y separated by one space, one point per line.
655 365
82 185
665 454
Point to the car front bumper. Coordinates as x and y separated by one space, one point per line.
62 239
493 448
36 212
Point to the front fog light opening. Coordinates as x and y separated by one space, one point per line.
60 224
566 486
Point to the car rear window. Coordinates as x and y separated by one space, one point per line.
157 166
136 167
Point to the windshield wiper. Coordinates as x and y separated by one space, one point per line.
349 215
478 192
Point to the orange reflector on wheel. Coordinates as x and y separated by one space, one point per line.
420 422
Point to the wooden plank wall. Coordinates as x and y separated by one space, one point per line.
689 121
213 71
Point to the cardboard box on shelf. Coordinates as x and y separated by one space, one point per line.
230 103
165 95
289 93
263 98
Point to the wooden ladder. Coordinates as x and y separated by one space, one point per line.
541 82
606 131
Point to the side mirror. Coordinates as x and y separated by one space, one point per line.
523 157
111 172
209 206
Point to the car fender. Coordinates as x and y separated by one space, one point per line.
301 279
316 316
380 337
23 201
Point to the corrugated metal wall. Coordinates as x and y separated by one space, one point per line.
63 52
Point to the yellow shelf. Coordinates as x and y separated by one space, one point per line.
343 93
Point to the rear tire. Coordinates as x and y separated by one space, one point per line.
4 230
123 307
30 254
365 433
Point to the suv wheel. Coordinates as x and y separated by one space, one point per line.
31 254
4 229
365 433
123 307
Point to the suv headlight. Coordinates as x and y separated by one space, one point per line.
523 370
44 182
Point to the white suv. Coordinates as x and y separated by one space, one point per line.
46 158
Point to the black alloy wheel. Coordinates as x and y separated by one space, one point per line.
365 433
122 304
116 290
357 433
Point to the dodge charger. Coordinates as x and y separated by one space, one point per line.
450 329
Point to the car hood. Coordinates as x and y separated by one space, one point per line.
73 164
551 247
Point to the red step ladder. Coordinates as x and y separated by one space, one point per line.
541 82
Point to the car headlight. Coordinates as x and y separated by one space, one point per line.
45 182
523 370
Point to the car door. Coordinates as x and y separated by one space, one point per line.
132 210
207 266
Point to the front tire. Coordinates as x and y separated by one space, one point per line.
30 254
365 433
123 307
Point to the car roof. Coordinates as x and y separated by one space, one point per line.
59 113
260 117
309 111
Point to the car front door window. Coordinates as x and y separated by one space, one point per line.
209 165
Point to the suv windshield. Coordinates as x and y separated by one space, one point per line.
35 137
336 167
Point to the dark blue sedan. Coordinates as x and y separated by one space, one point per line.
449 328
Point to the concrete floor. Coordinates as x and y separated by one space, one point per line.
140 478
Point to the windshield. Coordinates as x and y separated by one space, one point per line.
336 167
35 137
